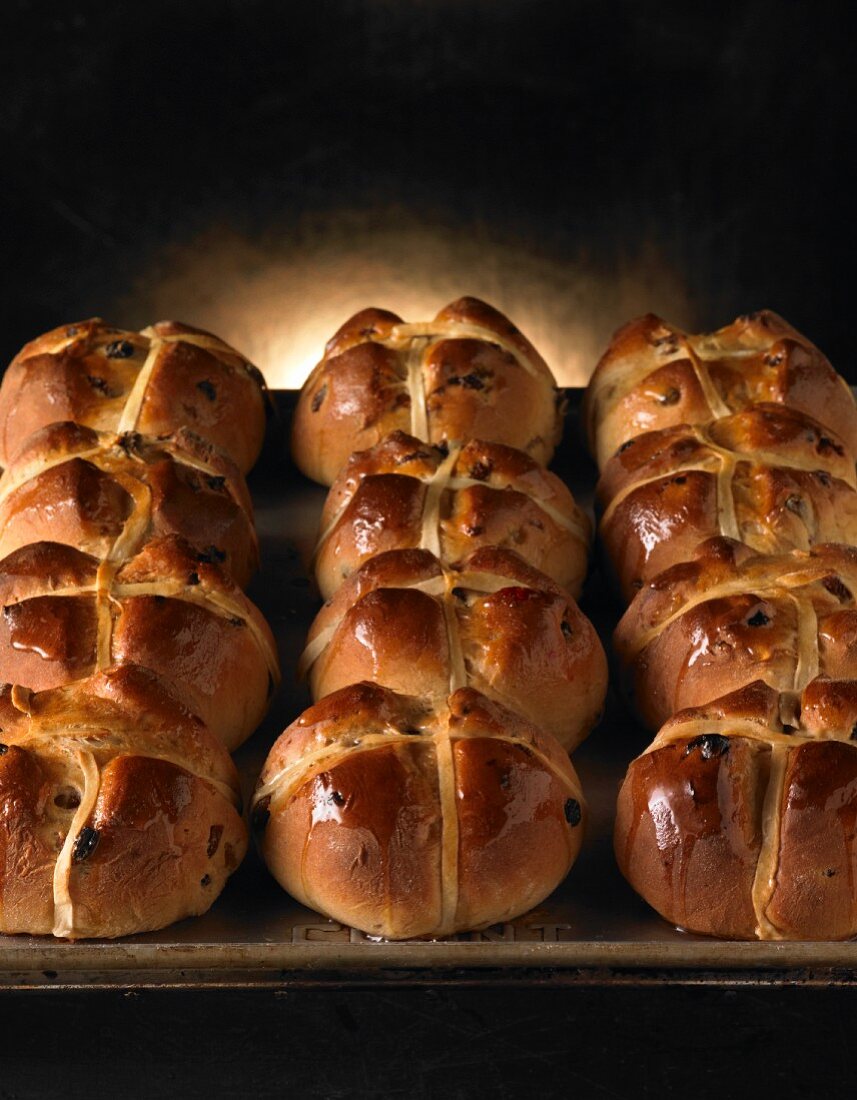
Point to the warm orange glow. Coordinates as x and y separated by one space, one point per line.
279 300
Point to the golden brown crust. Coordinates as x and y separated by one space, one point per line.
728 617
655 376
403 493
474 816
73 485
769 476
88 373
469 373
492 622
167 608
734 823
118 808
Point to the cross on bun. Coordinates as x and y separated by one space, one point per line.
727 617
468 374
655 376
492 623
728 489
403 494
73 485
768 476
121 810
736 822
154 382
167 608
404 818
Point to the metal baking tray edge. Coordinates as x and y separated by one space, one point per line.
593 929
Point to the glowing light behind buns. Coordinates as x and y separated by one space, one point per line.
280 298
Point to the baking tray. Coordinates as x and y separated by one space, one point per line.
592 929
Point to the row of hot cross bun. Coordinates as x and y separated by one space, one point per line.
729 516
429 790
126 537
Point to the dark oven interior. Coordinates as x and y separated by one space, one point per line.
264 169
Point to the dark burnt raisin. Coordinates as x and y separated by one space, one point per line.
3 750
215 482
628 443
573 813
825 444
836 588
709 744
442 448
98 383
472 382
410 731
824 477
85 844
261 814
119 349
473 530
671 397
759 619
205 880
67 798
413 457
236 620
679 480
773 359
854 732
480 470
214 835
130 442
193 580
318 399
794 504
460 594
211 555
829 872
337 798
207 388
565 627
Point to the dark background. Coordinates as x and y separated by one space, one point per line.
265 167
